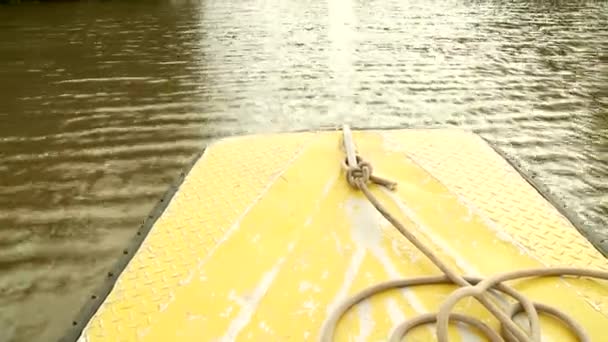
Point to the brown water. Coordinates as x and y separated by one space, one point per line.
102 104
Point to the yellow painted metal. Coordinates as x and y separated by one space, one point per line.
265 236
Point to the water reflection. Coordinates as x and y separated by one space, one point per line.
104 102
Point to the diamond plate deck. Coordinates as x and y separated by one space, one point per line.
264 236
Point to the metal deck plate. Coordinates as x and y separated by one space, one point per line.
264 236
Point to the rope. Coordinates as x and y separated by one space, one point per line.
358 175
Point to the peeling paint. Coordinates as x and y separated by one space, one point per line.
339 248
235 298
264 326
187 280
226 312
142 332
193 317
309 307
307 286
163 306
308 221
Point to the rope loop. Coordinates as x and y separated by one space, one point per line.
358 176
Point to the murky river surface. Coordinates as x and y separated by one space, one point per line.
102 104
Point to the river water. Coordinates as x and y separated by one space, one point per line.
102 104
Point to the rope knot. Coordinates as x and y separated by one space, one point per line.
362 173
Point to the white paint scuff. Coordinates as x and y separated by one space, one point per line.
493 226
308 286
187 280
367 226
391 145
236 225
366 326
461 262
366 229
394 312
351 272
163 306
467 335
249 305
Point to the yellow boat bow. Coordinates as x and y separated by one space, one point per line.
264 237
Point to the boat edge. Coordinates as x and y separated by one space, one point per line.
98 297
88 309
598 242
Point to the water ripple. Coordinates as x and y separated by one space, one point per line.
109 100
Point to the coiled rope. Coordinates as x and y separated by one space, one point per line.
358 174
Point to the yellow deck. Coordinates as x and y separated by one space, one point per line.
264 236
